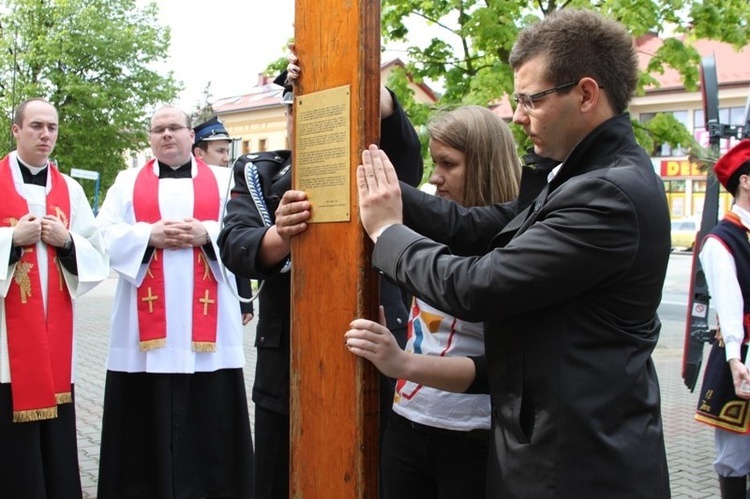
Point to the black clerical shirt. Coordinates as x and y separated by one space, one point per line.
67 257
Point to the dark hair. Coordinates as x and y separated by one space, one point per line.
578 43
21 109
733 184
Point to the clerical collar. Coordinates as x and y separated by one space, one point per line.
184 171
36 175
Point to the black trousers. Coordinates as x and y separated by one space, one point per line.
38 459
272 451
422 462
176 436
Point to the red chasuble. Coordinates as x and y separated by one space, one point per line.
40 345
152 317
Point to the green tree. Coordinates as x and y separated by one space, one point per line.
472 39
203 111
94 60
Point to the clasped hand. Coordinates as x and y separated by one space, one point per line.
30 229
178 234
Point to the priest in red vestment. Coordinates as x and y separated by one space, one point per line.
53 253
176 421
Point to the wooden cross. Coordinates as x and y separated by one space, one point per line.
334 395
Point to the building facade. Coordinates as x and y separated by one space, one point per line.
684 182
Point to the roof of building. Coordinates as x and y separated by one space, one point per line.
396 62
264 94
732 66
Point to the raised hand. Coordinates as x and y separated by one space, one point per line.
379 192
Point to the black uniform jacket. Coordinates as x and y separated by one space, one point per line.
239 242
568 291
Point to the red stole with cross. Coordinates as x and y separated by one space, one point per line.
152 316
40 345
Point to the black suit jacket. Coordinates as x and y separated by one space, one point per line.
568 291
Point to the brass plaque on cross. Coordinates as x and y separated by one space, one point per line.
322 144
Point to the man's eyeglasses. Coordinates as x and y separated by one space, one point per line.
158 130
527 101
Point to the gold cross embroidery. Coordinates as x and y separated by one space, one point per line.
206 302
150 299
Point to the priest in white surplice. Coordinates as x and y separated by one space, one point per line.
175 421
52 253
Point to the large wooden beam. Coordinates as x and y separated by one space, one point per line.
334 402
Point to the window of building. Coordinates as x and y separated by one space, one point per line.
727 116
675 191
261 145
699 122
674 186
732 115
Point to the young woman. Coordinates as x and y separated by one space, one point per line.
436 443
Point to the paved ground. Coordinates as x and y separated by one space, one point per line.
689 444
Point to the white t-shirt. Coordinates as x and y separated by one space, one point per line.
432 332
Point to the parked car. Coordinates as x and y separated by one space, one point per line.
684 231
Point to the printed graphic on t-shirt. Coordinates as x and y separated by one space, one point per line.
432 332
421 331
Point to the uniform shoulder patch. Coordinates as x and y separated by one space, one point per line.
275 156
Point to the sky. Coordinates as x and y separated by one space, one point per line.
227 42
